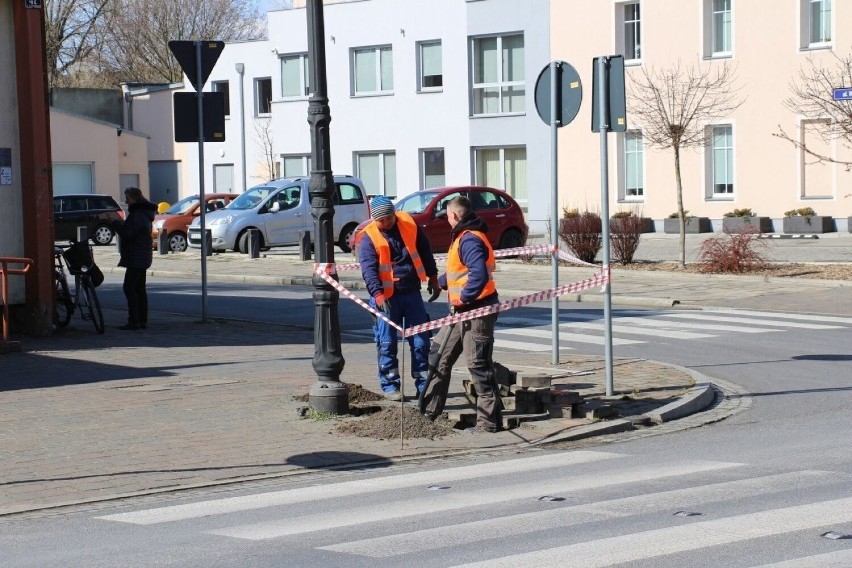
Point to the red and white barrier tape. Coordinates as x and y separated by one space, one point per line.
600 278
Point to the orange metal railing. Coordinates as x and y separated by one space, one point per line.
5 261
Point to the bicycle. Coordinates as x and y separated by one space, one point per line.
77 257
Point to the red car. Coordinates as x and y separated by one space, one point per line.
499 210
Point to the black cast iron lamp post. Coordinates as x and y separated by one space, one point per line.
328 394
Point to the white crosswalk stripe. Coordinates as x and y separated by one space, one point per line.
837 559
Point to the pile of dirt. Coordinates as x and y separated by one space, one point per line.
385 425
357 395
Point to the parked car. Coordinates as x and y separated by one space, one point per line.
176 219
504 217
281 209
95 212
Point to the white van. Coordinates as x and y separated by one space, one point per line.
281 209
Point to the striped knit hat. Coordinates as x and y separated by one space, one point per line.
381 206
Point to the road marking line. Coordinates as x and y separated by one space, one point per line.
694 536
356 487
456 500
516 525
753 321
803 317
575 337
522 345
836 559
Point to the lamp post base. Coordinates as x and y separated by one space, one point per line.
330 397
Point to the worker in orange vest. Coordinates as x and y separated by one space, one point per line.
396 258
470 284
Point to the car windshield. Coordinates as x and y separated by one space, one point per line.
182 206
251 198
416 202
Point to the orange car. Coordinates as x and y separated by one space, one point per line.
177 218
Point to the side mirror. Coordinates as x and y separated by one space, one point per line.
276 207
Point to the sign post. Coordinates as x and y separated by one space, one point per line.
609 114
558 94
197 59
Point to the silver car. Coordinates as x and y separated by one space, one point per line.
281 210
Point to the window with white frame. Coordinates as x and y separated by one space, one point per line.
372 70
223 87
816 23
498 74
378 172
722 160
431 75
629 30
634 165
262 96
722 24
297 165
503 168
295 77
433 172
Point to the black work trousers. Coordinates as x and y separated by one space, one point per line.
137 296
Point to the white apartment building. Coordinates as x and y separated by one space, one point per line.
426 93
423 93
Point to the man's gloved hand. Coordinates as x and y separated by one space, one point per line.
433 288
381 302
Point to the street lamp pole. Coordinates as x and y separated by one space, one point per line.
328 394
241 69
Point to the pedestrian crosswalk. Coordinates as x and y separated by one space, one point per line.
631 327
619 509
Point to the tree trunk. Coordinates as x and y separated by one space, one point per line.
680 213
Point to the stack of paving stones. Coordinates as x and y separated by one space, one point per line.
530 396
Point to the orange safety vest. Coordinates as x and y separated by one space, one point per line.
457 272
408 231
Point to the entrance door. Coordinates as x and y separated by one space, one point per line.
223 178
164 177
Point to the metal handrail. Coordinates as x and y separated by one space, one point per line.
5 261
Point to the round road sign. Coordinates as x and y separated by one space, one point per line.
569 91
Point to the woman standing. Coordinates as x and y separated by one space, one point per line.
135 245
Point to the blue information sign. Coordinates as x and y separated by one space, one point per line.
844 94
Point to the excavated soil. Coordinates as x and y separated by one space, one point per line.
357 395
385 425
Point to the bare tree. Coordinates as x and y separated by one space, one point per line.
813 99
263 132
673 106
136 46
73 30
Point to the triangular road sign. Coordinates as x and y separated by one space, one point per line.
184 52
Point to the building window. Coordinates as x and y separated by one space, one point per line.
295 77
433 173
431 75
722 158
503 168
634 165
378 172
631 35
223 87
722 27
819 18
373 70
296 165
498 75
262 96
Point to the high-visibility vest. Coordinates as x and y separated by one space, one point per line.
457 272
408 231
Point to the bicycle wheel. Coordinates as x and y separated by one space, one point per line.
64 307
93 306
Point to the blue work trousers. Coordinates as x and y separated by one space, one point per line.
408 306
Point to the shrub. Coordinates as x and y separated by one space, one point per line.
803 212
686 215
625 233
581 233
568 213
733 253
740 213
622 214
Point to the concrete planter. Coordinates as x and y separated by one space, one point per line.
739 224
694 225
849 223
647 224
812 224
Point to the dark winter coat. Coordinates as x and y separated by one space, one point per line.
135 241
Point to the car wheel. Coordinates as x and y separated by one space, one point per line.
242 243
345 236
512 238
177 242
103 235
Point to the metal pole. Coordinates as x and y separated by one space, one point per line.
241 70
328 394
555 77
603 113
200 96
